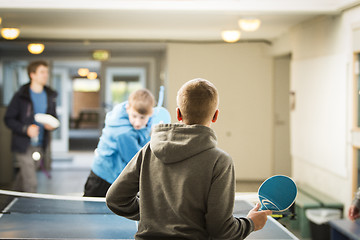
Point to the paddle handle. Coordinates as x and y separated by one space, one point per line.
161 96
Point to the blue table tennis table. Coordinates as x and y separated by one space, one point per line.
40 216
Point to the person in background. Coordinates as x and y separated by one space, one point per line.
28 136
127 130
181 185
354 210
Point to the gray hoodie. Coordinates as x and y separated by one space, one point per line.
186 185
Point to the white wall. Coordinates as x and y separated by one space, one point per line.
243 75
321 77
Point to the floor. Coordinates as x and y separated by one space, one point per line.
68 175
70 170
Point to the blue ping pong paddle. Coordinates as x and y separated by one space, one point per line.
277 193
161 114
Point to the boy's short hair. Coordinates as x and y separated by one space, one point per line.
142 101
33 66
197 100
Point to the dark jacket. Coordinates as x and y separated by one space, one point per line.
20 115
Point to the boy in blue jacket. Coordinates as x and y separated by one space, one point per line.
127 130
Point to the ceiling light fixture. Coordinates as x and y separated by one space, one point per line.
92 75
101 55
249 24
230 36
83 72
10 33
36 48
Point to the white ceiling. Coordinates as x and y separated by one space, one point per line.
165 20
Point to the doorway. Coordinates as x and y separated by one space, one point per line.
282 157
121 82
60 136
356 124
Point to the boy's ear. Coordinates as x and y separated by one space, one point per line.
127 107
178 115
216 114
31 75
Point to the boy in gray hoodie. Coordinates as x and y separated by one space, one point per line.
185 183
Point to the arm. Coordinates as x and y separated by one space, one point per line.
128 146
51 108
12 117
219 219
121 197
354 210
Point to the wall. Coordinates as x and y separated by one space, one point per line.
243 75
321 77
282 157
6 156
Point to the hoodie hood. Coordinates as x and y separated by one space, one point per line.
118 116
172 143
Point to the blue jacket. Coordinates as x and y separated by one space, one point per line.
118 144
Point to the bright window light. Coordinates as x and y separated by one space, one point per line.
86 85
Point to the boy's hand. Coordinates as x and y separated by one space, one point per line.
33 131
48 127
354 213
259 218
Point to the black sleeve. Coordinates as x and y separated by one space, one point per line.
13 115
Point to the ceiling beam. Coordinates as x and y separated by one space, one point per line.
243 6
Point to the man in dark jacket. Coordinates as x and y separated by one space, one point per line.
29 139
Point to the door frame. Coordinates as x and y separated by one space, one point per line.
110 72
62 144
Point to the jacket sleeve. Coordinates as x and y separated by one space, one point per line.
52 103
220 221
121 197
12 117
128 146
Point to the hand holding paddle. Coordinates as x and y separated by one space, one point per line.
259 218
354 213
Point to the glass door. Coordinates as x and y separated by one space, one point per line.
60 137
121 82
